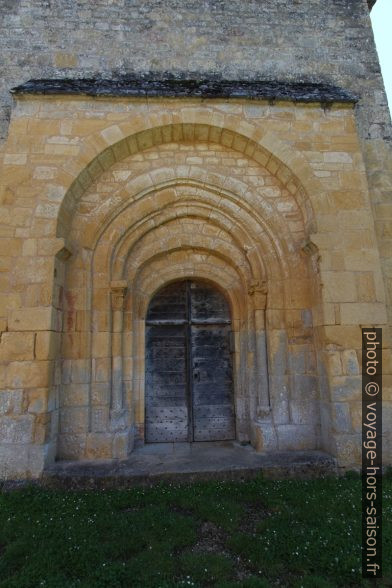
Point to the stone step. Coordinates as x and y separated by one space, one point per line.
187 463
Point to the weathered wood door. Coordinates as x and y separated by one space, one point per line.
189 383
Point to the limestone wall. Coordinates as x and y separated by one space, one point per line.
116 197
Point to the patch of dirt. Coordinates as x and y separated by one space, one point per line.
254 514
213 539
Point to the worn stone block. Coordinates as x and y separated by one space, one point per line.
28 374
350 362
75 395
11 402
99 446
304 405
363 313
296 437
16 346
74 420
16 429
47 345
32 319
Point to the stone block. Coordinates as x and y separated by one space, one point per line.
14 462
350 362
75 395
346 388
304 400
99 419
366 287
28 374
339 287
280 398
47 345
264 437
32 319
37 400
8 302
16 429
99 446
296 437
74 420
112 134
71 446
101 369
101 344
277 352
32 270
363 313
16 346
122 445
344 336
341 418
81 372
348 450
12 246
42 431
100 393
11 402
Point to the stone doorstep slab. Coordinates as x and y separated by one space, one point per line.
149 465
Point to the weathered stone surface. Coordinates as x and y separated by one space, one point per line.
16 429
28 374
31 319
11 402
178 87
241 162
16 346
184 464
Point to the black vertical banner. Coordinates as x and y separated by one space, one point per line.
371 453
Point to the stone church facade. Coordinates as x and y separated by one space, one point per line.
235 203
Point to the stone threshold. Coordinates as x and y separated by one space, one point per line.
186 463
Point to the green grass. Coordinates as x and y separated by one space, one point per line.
252 534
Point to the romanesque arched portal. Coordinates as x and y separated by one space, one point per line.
132 195
191 203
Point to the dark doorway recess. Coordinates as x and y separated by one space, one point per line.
189 375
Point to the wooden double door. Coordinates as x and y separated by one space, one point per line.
189 379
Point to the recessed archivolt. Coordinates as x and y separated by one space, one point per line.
184 216
145 214
281 213
176 234
195 125
187 265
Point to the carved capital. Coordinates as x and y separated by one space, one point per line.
60 248
118 290
309 247
257 287
258 290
